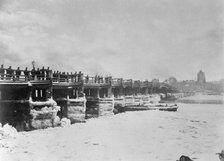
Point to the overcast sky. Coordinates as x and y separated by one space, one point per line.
140 39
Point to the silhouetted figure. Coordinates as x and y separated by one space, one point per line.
75 76
106 80
221 155
72 77
79 76
67 77
87 79
26 74
47 73
18 73
63 76
58 75
42 73
9 73
33 73
95 78
184 158
38 74
98 79
101 79
2 72
54 76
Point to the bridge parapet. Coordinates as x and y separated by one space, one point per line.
117 82
10 75
58 77
127 83
144 84
97 81
136 84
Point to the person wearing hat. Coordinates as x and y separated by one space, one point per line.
9 73
26 74
221 155
18 73
42 73
2 72
33 73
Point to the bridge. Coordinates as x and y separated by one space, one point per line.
23 93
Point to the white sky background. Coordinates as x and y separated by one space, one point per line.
140 39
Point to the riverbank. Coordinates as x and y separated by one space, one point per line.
203 99
130 136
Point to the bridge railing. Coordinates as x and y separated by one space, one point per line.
127 82
144 84
96 80
13 75
117 81
69 78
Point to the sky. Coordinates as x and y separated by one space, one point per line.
138 39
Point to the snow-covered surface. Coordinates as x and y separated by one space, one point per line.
204 97
194 130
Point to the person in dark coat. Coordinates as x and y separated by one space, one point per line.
95 78
42 73
106 79
38 74
98 78
67 77
9 73
18 73
75 76
221 155
26 74
79 76
2 72
47 73
58 75
54 76
63 77
72 77
33 73
87 79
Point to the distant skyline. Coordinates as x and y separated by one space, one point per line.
138 39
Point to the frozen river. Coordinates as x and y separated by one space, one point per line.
196 130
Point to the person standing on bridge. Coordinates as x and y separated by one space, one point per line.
75 76
18 73
38 74
87 79
9 73
42 73
54 76
26 74
33 73
2 72
72 77
96 78
80 76
67 77
47 73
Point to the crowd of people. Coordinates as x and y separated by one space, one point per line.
67 77
18 74
46 74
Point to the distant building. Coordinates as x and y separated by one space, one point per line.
201 77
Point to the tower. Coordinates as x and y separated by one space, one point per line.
201 77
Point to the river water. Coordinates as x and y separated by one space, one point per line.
196 130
